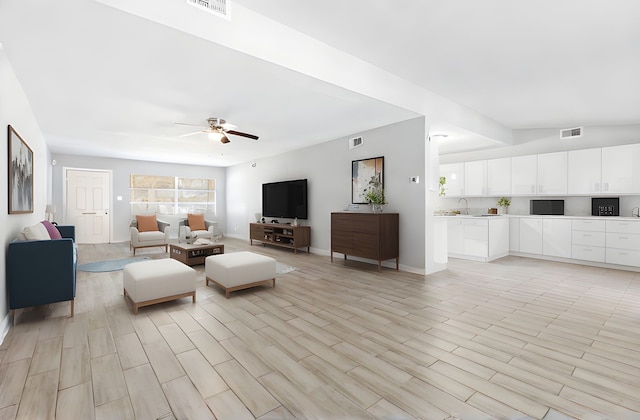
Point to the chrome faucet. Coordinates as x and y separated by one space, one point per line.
635 212
466 205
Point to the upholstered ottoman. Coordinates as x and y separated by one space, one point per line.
240 270
149 282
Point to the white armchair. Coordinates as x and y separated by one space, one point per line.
209 233
149 238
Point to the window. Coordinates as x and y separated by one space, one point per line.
168 195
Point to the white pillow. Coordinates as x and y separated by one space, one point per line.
36 232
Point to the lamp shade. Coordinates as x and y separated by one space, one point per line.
51 208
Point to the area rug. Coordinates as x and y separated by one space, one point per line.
283 268
109 265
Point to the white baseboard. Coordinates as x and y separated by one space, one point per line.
5 327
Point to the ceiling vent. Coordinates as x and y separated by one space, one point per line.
216 7
355 142
571 133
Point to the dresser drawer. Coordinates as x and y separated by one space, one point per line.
590 225
589 253
623 241
623 257
623 226
580 237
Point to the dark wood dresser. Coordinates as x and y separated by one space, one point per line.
365 235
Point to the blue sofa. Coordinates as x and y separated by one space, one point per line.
42 272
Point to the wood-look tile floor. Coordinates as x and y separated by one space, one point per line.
513 339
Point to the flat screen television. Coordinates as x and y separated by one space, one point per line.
286 199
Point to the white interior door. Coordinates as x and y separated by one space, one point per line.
87 205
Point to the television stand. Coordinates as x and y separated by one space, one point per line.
279 234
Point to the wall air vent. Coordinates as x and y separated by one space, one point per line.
355 142
571 133
216 7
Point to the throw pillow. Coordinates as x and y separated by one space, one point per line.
54 233
147 223
36 232
196 222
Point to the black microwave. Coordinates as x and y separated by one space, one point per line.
552 207
605 206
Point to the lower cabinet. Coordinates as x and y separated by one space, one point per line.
531 236
613 241
556 237
588 240
623 242
478 238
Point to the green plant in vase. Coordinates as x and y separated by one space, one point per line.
443 181
374 193
504 203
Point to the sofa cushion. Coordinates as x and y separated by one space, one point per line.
196 222
53 232
147 223
36 232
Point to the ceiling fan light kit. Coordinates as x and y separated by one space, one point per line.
218 129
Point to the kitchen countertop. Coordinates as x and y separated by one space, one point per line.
492 216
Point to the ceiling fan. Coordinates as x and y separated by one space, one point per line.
218 130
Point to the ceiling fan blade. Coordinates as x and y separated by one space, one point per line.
191 134
228 126
191 125
224 139
238 133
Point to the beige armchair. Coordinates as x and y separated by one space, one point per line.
208 233
143 235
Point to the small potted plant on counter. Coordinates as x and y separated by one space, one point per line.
374 194
504 204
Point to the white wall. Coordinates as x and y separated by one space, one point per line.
531 142
16 111
122 169
327 167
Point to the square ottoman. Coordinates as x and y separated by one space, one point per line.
240 270
149 282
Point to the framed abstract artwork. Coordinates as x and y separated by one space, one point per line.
20 174
363 171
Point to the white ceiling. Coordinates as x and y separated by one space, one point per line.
104 82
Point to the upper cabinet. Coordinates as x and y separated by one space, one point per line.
475 178
454 173
585 171
499 176
597 171
552 173
524 171
620 169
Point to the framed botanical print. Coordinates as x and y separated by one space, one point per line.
362 172
20 174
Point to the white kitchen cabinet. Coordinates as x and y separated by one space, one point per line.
588 240
584 171
475 178
552 173
455 238
620 169
454 172
478 238
556 237
531 235
524 171
623 242
498 237
514 234
499 177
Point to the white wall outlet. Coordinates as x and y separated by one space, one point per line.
414 179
